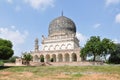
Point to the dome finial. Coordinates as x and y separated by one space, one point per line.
62 13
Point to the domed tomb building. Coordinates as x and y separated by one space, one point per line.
61 45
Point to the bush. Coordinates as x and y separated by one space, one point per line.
114 59
13 59
1 63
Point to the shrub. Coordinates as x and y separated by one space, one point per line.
1 63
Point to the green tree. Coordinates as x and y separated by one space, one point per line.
5 52
5 49
13 59
27 57
98 47
115 56
83 54
6 43
93 46
107 47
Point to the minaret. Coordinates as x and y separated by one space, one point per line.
36 45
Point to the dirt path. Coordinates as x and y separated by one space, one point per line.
31 76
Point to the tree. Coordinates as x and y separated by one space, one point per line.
83 54
92 46
13 59
107 47
5 49
6 43
5 52
27 57
115 56
98 47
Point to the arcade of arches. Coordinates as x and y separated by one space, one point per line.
67 57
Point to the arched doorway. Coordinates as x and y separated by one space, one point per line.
60 58
53 58
74 57
41 58
36 59
67 57
47 58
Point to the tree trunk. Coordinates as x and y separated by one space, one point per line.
105 58
94 57
27 63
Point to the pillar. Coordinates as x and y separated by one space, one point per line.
70 57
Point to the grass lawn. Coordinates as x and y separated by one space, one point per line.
109 72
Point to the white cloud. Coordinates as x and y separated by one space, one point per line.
117 18
82 38
40 4
110 2
97 25
116 41
13 35
10 1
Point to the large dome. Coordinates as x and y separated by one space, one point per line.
62 26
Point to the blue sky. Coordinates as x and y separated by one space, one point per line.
21 21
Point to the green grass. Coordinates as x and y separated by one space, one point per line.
64 69
71 71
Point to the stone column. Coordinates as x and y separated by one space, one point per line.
78 58
70 57
63 58
45 60
57 60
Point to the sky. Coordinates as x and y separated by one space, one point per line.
22 21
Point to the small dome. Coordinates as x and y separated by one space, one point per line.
62 25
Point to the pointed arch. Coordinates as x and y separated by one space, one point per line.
47 58
57 47
67 57
62 47
36 58
74 57
46 48
51 47
41 58
69 46
60 57
54 57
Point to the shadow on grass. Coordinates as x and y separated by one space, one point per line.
4 67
